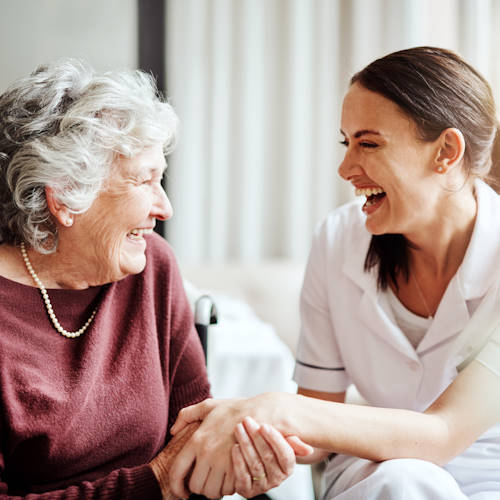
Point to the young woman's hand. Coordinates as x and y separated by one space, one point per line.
262 457
206 457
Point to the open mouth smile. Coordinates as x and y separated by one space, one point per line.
374 198
137 234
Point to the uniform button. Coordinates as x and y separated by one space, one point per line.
414 365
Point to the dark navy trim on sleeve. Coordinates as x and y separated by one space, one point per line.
340 369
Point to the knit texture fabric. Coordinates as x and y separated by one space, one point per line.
81 418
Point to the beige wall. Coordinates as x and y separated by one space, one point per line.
104 32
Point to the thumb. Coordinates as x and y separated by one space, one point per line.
193 413
300 448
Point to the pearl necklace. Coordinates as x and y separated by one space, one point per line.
48 305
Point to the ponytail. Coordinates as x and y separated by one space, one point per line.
493 177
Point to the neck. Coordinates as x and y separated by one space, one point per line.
441 245
58 271
48 304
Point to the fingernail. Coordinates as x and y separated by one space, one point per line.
240 428
251 423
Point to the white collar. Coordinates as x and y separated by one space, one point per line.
481 263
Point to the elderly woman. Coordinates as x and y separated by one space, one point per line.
400 297
98 351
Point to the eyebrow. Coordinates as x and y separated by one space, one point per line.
360 133
153 169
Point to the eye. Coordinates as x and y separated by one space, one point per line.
368 144
345 142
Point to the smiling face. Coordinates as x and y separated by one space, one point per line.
109 237
387 162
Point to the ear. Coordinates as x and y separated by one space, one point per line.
451 144
60 211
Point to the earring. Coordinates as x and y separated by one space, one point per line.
68 222
440 169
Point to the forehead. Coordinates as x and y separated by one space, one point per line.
150 159
363 109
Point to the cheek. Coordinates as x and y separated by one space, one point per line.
106 233
136 206
104 225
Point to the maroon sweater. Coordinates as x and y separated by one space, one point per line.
81 418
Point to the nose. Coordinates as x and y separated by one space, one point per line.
162 208
349 167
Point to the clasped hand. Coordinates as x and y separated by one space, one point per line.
230 452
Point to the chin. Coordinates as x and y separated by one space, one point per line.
375 230
133 266
379 227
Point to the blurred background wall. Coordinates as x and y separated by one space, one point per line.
35 31
258 85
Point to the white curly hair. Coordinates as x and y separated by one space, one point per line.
62 127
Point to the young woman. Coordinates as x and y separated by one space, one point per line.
400 297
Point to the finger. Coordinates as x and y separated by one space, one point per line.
199 477
266 453
192 413
300 448
283 452
242 476
213 484
228 487
249 451
179 470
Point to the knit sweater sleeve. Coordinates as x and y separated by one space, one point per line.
120 484
187 369
190 384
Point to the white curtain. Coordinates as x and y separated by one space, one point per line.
258 85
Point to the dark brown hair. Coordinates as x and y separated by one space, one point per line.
437 89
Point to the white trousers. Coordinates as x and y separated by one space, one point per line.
351 478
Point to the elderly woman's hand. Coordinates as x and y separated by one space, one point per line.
163 461
263 458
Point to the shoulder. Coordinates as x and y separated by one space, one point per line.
343 227
339 245
159 254
159 249
161 263
479 268
486 195
344 218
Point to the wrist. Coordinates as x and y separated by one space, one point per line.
276 409
161 475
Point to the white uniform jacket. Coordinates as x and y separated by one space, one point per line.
348 331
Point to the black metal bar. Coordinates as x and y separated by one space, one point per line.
152 39
203 334
151 49
205 314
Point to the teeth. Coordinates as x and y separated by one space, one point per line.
368 191
138 233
